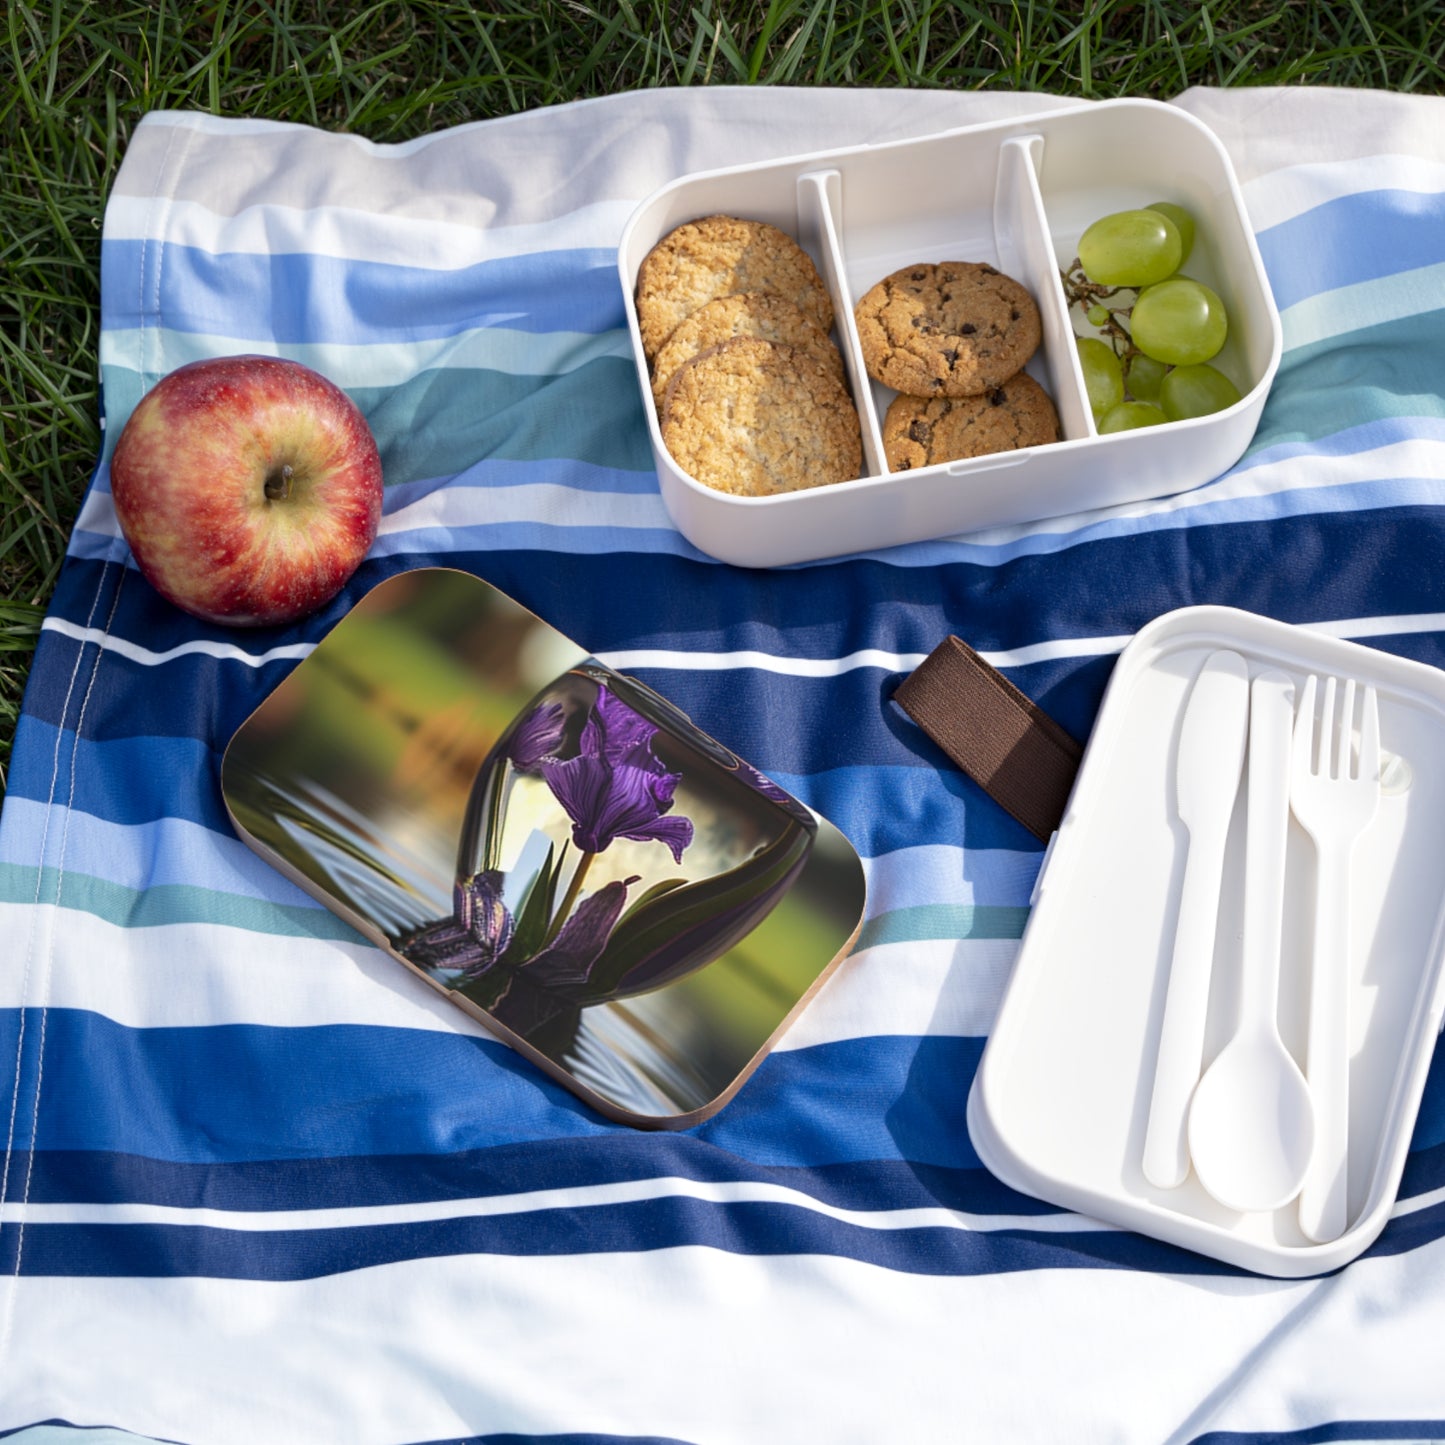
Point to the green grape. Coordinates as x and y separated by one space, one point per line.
1183 223
1129 415
1098 315
1130 248
1179 322
1196 391
1144 376
1103 376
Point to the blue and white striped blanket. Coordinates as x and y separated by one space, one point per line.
258 1184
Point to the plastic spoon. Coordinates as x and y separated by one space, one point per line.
1251 1122
1211 755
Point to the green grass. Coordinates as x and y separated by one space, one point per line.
75 78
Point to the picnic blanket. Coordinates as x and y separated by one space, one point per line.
260 1184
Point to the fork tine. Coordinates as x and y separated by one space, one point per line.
1344 744
1304 728
1370 737
1327 728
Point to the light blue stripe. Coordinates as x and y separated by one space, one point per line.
1353 238
914 875
165 853
307 299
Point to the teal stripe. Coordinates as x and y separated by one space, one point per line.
438 423
1375 374
167 903
442 422
928 921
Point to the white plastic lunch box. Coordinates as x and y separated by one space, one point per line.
1016 195
1060 1105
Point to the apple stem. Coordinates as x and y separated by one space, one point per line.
278 484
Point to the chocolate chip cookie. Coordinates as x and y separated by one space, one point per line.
717 256
955 328
749 313
918 432
752 417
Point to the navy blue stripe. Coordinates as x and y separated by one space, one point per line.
203 1094
568 1439
72 1177
758 1230
85 596
509 1438
1424 1170
754 1228
127 780
1353 238
1339 565
1351 566
142 780
1410 1231
300 297
1418 1432
207 697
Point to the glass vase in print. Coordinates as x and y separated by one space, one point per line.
609 849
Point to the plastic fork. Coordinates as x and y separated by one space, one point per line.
1334 793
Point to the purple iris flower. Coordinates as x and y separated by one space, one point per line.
538 736
481 912
616 787
475 936
567 961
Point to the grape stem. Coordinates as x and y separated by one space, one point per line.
1086 295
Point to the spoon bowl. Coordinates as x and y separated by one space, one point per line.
1251 1124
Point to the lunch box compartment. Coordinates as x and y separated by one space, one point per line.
1014 195
1060 1104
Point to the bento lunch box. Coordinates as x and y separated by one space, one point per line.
1016 195
1061 1104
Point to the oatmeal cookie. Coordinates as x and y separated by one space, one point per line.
748 313
918 432
752 417
716 256
955 328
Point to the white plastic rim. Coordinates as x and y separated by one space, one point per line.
1015 195
1060 1103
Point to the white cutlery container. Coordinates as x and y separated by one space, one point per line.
1016 195
1060 1104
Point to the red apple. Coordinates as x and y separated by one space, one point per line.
248 487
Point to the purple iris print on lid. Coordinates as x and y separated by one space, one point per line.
549 844
604 856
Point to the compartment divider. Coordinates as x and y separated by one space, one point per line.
1026 249
820 220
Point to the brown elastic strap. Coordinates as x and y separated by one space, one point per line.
1008 745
